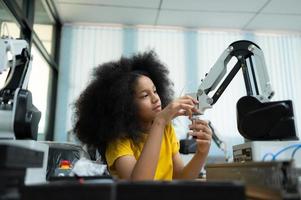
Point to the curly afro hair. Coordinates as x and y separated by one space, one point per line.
106 110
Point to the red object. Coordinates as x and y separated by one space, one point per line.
65 164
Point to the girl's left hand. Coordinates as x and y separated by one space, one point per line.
203 135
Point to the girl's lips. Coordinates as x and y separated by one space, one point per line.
157 107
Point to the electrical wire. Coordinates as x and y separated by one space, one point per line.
274 156
295 150
285 149
266 155
184 88
219 143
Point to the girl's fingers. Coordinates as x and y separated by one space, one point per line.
205 129
200 135
182 112
186 101
184 106
189 99
203 142
200 127
203 122
184 109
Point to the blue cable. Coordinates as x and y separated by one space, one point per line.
286 148
295 150
267 154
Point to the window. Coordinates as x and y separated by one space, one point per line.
39 85
36 21
20 3
9 26
43 25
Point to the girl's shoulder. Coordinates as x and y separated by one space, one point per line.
119 141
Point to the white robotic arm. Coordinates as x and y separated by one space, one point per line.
257 117
19 118
9 49
251 60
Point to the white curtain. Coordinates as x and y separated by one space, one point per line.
282 53
84 47
169 46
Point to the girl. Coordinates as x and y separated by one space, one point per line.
126 112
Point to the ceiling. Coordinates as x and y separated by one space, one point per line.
283 15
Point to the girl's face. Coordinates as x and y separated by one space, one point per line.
147 99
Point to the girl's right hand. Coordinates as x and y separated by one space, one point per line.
183 106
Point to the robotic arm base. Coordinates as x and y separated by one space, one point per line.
265 121
27 116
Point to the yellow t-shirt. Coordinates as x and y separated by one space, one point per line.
169 146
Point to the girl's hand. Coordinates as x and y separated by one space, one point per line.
183 106
203 135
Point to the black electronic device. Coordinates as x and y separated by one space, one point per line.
179 190
70 190
13 164
128 190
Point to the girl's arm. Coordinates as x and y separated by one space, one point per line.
145 167
203 136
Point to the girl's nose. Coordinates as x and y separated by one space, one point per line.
155 98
